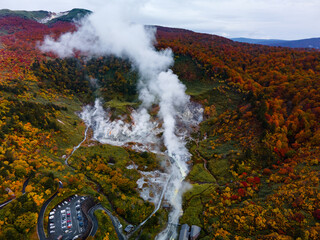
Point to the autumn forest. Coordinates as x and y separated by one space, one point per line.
255 156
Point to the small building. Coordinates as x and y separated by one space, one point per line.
184 232
166 206
195 232
129 228
10 192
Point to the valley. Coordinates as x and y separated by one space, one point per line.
251 132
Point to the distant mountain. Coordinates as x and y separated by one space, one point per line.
259 41
303 43
34 15
74 14
45 16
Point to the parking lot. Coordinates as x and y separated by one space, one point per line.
66 220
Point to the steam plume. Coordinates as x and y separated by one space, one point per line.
108 31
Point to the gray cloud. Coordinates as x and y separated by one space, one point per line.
286 19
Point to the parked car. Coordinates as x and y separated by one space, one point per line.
51 217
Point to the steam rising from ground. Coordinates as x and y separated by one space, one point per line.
109 32
140 131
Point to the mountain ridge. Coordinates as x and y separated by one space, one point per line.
49 18
300 43
255 160
46 17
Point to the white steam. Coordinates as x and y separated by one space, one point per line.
141 131
109 31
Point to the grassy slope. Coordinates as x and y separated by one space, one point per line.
207 91
24 14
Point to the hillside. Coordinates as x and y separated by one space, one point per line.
45 16
302 43
255 157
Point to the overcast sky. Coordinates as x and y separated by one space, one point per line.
277 19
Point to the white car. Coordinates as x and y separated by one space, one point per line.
52 227
51 217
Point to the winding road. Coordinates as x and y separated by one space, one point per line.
114 220
25 184
40 227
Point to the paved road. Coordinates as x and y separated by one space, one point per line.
40 227
94 220
115 222
25 184
6 202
